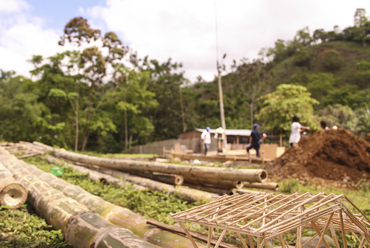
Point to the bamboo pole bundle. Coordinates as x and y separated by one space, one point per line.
188 193
93 175
250 175
81 227
264 185
12 193
114 214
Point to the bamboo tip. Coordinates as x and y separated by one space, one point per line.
263 176
13 195
179 180
239 184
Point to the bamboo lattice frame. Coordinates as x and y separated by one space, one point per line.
266 215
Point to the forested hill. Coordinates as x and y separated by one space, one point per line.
89 100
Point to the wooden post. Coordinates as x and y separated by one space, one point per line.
210 230
281 140
220 238
342 228
250 241
324 230
241 238
188 234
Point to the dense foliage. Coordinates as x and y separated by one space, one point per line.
102 97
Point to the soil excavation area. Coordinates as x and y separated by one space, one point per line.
335 155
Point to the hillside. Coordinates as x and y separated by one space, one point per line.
350 52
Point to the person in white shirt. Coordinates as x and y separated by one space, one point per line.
206 139
296 129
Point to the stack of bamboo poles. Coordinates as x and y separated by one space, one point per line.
81 227
193 176
270 216
12 193
17 149
108 212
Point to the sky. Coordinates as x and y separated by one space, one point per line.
184 31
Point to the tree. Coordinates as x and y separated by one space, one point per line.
363 126
302 58
332 60
320 85
165 81
284 103
20 113
303 37
340 116
319 34
361 25
252 81
132 99
93 65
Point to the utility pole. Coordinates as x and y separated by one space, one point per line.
222 112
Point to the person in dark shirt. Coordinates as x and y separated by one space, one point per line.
255 140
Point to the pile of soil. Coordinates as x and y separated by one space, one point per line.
328 154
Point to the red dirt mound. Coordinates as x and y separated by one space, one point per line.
327 154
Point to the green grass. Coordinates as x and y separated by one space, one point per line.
359 195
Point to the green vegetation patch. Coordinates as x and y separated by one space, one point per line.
150 204
20 228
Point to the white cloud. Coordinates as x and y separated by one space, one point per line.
185 31
22 36
12 6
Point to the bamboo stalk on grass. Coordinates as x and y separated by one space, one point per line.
250 175
81 227
114 214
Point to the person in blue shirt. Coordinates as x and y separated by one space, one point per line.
255 140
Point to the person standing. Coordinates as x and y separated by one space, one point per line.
296 130
323 125
255 140
206 139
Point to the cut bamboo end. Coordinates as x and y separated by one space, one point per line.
263 176
13 195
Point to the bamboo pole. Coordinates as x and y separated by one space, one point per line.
219 191
81 227
138 182
12 193
262 185
250 175
188 193
116 215
161 177
228 184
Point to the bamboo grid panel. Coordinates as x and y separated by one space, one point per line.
267 215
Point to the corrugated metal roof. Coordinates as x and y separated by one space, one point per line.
234 132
